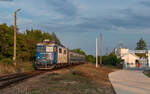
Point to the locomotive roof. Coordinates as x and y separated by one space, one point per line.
48 44
52 43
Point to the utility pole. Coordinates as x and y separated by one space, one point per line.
101 48
96 54
15 30
106 51
121 44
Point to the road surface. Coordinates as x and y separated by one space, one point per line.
130 82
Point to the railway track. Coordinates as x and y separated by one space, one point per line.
7 80
14 78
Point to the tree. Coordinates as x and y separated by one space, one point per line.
78 50
54 38
141 45
111 59
26 42
90 58
46 36
6 41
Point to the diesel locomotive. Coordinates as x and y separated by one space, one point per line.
50 55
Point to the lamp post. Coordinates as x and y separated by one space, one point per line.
101 48
15 30
96 53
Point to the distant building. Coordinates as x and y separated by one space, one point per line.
116 52
148 57
132 60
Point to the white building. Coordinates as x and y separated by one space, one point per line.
148 57
129 58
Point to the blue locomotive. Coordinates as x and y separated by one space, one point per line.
50 55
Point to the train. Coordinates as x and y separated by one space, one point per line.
50 55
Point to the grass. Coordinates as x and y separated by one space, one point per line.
25 66
7 66
84 79
35 91
69 83
6 62
147 73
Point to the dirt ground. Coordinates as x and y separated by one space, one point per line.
81 79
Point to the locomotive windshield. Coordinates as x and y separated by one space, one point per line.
40 49
49 49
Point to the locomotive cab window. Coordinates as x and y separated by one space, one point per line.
40 49
60 50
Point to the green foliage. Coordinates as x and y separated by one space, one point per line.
141 45
26 42
54 38
111 60
6 41
90 58
78 50
141 55
47 36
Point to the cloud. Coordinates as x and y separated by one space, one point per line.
134 19
6 0
145 3
131 30
81 19
73 16
64 7
24 21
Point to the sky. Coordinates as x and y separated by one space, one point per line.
77 23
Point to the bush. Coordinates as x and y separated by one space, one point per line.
6 62
111 60
90 58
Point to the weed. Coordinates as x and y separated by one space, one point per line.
6 62
35 91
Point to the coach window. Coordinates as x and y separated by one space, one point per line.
60 50
64 51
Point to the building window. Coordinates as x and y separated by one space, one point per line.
64 51
60 50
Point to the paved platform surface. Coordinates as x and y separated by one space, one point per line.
130 82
